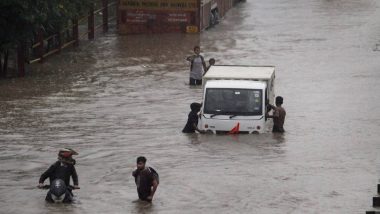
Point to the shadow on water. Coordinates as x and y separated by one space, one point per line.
142 206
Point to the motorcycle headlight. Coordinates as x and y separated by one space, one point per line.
57 199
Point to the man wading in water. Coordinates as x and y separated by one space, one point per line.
146 179
192 120
278 116
197 67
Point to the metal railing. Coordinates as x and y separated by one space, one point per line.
39 47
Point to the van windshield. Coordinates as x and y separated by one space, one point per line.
229 101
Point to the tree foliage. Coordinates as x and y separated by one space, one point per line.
19 19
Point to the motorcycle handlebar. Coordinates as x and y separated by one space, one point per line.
48 187
44 187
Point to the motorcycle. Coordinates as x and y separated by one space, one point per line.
59 192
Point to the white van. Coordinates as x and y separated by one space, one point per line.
235 96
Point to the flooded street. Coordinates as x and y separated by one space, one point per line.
119 97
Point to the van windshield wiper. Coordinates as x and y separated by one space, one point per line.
231 116
221 113
213 115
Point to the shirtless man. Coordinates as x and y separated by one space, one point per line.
278 116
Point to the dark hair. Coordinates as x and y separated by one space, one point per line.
195 106
195 47
141 159
279 100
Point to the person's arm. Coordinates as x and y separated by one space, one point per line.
194 120
198 130
190 58
46 174
204 64
75 178
272 106
154 188
207 70
275 113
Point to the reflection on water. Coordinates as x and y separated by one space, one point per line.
123 96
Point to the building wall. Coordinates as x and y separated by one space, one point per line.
161 16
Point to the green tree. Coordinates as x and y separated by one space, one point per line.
20 19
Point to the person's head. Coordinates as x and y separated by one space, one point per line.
195 107
279 101
197 50
66 156
140 162
211 61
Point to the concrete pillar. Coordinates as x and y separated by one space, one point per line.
91 24
105 16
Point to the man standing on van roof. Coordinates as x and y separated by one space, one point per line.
146 179
278 116
197 67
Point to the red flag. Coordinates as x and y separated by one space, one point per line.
235 130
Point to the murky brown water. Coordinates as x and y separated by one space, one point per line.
120 97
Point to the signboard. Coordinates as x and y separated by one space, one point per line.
147 16
177 5
192 29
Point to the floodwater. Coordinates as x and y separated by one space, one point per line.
123 96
